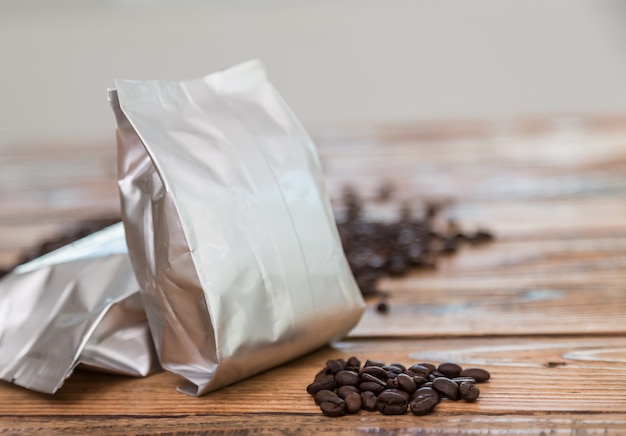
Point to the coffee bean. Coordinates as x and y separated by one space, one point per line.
419 381
354 362
428 365
344 377
324 395
368 400
375 371
446 387
334 366
344 391
392 383
369 363
406 383
469 391
435 374
372 387
419 370
424 401
478 374
353 402
333 409
449 369
391 402
323 383
365 377
459 380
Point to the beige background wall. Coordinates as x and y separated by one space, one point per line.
335 62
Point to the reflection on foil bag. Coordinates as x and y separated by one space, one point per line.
79 304
229 226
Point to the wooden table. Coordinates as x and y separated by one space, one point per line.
542 308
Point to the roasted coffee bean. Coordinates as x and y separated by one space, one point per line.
446 387
368 400
322 383
344 391
398 265
469 391
332 408
354 362
406 383
392 383
373 363
365 377
381 307
424 401
428 365
324 372
449 369
459 380
391 402
419 370
372 387
344 377
375 371
419 381
478 374
399 365
394 369
324 395
353 402
334 366
435 374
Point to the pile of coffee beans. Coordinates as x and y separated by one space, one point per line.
376 249
344 386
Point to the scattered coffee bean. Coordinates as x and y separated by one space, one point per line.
376 371
424 401
324 395
478 374
353 362
345 377
368 400
353 402
377 249
406 383
334 366
449 369
391 402
469 391
344 391
365 377
431 367
372 387
328 383
333 408
447 388
391 389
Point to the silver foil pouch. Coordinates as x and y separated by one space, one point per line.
79 304
229 227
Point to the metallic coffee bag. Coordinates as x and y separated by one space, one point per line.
229 227
79 304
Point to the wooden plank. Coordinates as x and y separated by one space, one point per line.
537 384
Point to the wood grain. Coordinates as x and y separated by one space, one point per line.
542 307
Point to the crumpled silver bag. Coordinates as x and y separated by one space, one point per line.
229 227
79 304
